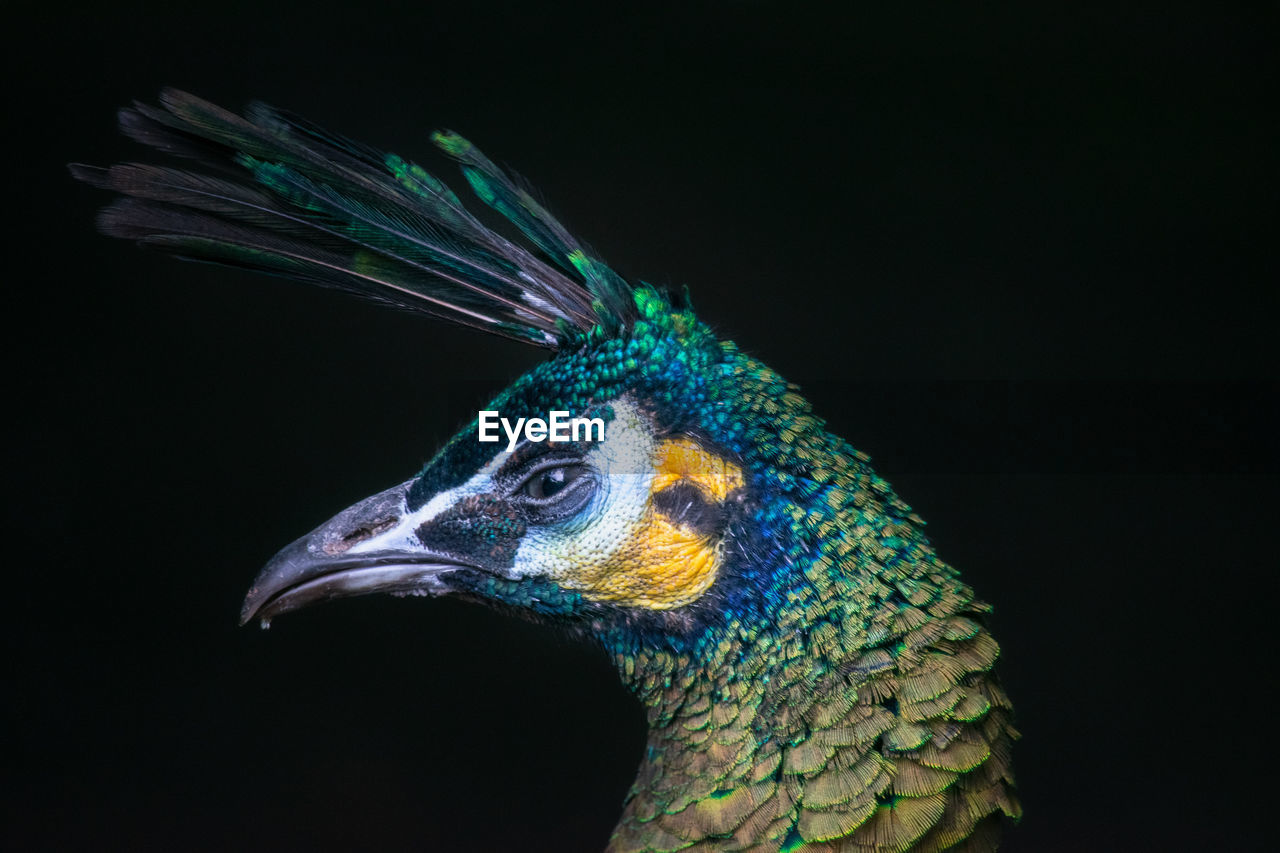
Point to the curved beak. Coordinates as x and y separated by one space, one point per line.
370 547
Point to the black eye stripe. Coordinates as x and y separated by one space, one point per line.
482 528
685 504
525 454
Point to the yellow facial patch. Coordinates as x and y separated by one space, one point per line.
684 459
672 552
653 535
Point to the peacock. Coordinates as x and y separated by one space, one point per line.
814 676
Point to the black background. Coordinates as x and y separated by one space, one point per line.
1020 257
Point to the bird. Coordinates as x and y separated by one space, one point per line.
814 676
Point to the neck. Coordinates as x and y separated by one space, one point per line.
715 738
819 723
852 698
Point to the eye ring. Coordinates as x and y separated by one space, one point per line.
553 481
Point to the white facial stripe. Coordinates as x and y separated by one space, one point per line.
404 535
624 462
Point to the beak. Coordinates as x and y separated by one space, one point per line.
367 548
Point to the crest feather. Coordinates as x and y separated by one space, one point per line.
272 192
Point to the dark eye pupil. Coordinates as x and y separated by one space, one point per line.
553 480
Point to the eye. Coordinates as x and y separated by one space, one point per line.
549 482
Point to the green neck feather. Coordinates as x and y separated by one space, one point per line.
859 709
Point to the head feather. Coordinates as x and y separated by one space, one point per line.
275 193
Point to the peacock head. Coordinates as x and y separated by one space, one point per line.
609 488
